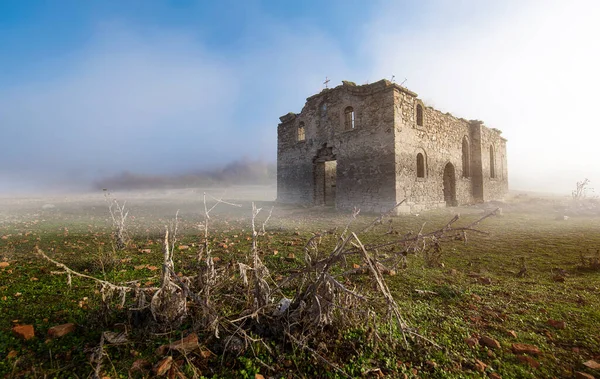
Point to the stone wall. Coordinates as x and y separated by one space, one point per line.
497 187
364 154
376 160
439 139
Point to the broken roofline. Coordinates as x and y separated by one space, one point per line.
369 89
365 89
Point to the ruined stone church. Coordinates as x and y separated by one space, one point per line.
374 145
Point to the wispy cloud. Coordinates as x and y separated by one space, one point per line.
156 101
528 68
163 100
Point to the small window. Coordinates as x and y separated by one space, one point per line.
349 118
466 158
492 162
420 166
419 115
301 132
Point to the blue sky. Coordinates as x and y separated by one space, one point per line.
92 88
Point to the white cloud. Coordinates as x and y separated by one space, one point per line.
157 101
527 68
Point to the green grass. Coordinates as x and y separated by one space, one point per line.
462 306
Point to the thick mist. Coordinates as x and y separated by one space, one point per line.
154 102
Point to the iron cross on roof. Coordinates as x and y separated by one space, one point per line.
326 81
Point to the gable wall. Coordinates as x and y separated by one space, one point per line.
364 155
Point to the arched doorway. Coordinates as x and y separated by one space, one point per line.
450 185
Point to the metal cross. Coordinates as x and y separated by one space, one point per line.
326 81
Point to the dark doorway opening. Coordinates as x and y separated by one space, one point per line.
450 185
325 176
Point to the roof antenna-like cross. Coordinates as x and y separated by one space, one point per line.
326 81
393 78
404 81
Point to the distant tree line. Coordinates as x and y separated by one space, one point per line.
235 173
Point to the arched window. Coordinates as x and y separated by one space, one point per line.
420 166
419 115
466 158
492 162
301 132
349 119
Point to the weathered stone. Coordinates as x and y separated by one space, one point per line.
489 342
374 145
24 331
61 330
523 348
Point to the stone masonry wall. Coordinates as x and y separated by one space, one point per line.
376 161
494 188
439 139
364 155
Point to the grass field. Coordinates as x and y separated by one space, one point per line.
472 311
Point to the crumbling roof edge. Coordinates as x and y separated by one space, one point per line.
364 88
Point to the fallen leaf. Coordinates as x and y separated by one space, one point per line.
4 264
116 338
557 324
479 365
140 365
530 361
152 268
471 341
25 332
205 354
583 375
61 330
162 367
592 364
187 344
12 354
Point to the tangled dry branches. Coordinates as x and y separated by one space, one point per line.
317 297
